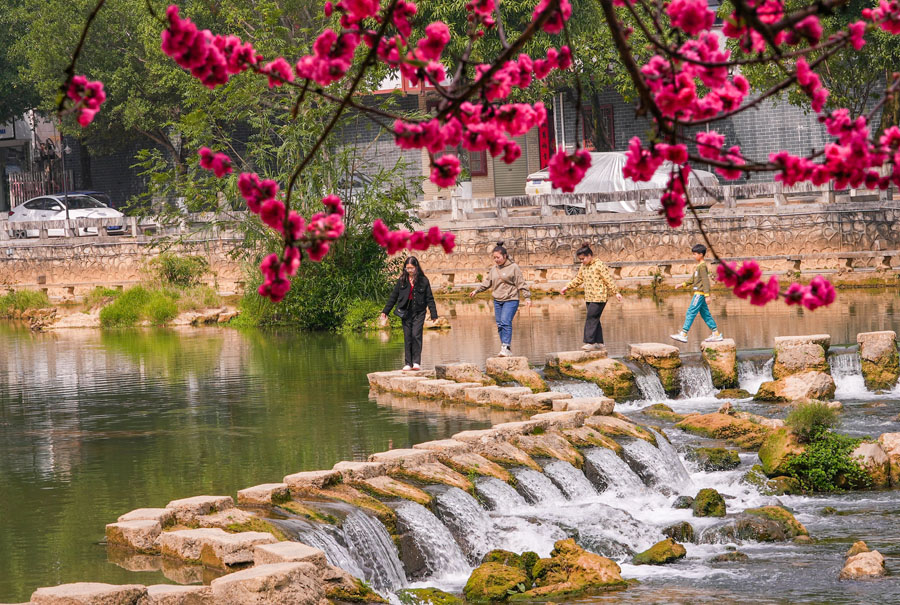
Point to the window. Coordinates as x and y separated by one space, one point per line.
478 163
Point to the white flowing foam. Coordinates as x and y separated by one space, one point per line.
372 546
498 495
467 521
614 472
441 553
537 487
569 479
752 373
696 382
649 385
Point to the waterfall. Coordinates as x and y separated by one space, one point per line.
696 382
846 370
465 518
611 472
570 480
374 550
498 495
754 372
440 552
326 538
576 389
660 466
537 487
649 384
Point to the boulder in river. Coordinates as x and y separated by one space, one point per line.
572 571
683 502
797 358
612 376
680 532
663 412
741 432
666 551
708 503
721 357
427 596
88 592
890 443
272 584
715 458
805 385
875 461
781 516
858 547
493 581
879 360
778 448
735 556
864 565
515 369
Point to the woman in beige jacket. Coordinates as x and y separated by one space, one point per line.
505 281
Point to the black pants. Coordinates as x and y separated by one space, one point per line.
593 331
412 337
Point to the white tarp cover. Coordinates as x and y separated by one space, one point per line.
605 176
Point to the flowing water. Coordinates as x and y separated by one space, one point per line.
571 481
696 381
648 383
93 424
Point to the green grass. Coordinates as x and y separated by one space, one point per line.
100 296
22 300
363 315
139 304
809 420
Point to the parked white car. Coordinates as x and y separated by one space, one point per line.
53 208
605 176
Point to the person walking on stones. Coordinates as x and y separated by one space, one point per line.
412 296
505 281
700 283
598 285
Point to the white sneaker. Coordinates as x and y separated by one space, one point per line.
504 351
407 368
416 367
715 337
680 337
587 347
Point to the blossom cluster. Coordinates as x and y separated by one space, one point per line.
747 282
395 241
218 163
87 96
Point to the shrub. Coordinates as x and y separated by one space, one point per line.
175 270
809 420
826 465
159 309
197 298
139 304
100 296
22 300
363 315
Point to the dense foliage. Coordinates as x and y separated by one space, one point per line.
809 420
826 465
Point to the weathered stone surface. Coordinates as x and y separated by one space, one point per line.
715 458
187 509
858 547
408 385
612 376
479 395
680 532
823 340
312 480
663 412
272 584
549 445
491 581
432 389
783 517
798 358
806 385
392 459
879 359
864 565
427 596
382 380
89 593
515 369
612 426
571 571
169 594
542 401
445 447
779 447
733 394
559 420
164 516
213 547
389 487
265 493
352 470
729 557
288 552
432 472
470 462
505 453
341 587
477 436
555 360
875 461
890 443
591 406
721 357
462 372
666 551
456 391
742 433
585 436
225 518
708 503
507 430
142 536
508 397
665 359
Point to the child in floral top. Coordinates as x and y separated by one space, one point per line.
598 285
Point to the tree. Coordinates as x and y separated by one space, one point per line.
18 95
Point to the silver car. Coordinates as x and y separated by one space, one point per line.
53 208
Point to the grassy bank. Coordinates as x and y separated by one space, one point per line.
15 303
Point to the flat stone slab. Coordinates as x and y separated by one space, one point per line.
288 552
265 493
462 372
359 471
392 488
432 472
224 518
653 350
503 365
541 401
572 357
549 445
187 509
456 391
312 480
823 340
591 406
408 385
445 446
213 547
612 426
170 594
560 420
271 584
510 429
508 397
470 462
479 395
477 436
89 593
726 344
163 516
139 535
504 452
873 346
403 457
431 389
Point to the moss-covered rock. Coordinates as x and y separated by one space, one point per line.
742 433
721 357
572 571
858 547
715 458
664 359
585 436
613 377
782 516
797 358
708 503
796 387
879 359
778 448
730 557
680 532
733 394
776 486
663 412
619 426
494 581
682 502
503 557
344 588
427 596
515 369
667 551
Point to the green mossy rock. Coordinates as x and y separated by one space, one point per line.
525 561
427 596
708 503
776 486
493 581
572 571
733 394
730 557
663 412
661 553
779 447
782 516
881 376
715 458
740 432
683 502
680 532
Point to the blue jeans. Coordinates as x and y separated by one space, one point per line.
698 305
504 311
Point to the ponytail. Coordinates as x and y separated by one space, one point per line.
499 248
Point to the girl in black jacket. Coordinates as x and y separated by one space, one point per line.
412 295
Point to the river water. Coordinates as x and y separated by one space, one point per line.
93 424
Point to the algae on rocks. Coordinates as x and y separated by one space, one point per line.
715 458
879 359
661 553
708 503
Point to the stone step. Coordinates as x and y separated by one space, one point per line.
213 547
186 510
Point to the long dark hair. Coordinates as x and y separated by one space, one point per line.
412 260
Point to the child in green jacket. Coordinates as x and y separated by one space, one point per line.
701 285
